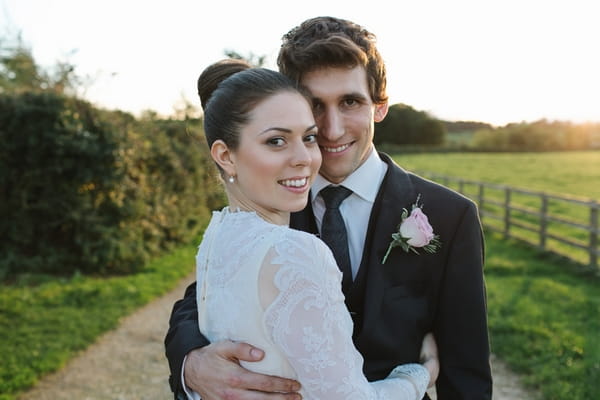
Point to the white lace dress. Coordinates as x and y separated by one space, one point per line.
279 289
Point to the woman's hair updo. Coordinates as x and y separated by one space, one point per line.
229 90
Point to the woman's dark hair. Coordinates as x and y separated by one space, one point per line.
229 90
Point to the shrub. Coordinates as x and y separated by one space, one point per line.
83 189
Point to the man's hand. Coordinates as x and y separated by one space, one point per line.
429 358
214 372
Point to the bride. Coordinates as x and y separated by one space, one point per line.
259 281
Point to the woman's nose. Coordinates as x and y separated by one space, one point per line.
301 155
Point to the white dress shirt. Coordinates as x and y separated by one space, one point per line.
356 208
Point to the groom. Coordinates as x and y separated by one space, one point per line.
393 304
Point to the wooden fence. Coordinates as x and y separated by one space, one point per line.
563 225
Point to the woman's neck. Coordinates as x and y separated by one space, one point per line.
276 217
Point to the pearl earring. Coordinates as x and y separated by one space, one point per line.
231 179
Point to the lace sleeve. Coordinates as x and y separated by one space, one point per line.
308 320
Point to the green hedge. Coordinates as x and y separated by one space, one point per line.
95 191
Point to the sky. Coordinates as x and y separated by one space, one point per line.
494 61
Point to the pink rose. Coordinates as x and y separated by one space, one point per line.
417 229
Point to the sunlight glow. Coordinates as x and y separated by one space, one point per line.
492 61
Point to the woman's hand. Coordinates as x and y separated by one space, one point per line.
429 358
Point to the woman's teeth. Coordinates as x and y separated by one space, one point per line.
294 182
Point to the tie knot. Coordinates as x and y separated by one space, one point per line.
334 195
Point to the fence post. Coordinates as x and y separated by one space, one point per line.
545 216
594 234
461 186
543 221
506 212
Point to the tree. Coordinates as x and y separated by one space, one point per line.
18 68
19 71
251 58
405 125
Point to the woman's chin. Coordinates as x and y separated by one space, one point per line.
297 206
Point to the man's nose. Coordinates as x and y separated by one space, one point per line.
331 125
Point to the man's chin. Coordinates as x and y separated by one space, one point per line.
334 175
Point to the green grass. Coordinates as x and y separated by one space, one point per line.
544 320
45 321
567 174
544 312
572 173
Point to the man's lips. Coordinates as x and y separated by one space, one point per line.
336 149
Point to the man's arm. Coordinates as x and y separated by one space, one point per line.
461 327
183 335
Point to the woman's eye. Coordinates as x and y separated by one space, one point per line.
276 141
312 138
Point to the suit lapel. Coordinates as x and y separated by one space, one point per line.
396 192
304 220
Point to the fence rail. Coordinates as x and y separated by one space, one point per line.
563 225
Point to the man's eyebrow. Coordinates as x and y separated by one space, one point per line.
354 95
351 95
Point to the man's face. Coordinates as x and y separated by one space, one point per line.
345 115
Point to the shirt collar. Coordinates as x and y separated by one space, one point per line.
363 181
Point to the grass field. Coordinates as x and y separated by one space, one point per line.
569 174
544 320
544 316
45 321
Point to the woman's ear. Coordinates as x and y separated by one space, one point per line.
224 157
381 111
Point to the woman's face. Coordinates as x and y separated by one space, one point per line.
277 158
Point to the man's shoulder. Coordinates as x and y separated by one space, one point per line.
437 189
425 187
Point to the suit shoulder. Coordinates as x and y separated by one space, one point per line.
431 189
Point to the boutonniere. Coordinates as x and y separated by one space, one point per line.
414 232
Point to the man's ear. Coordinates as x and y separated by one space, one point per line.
381 111
223 156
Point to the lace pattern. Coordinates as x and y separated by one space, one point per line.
305 330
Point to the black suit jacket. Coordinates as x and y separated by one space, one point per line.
395 304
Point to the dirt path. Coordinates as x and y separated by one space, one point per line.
129 363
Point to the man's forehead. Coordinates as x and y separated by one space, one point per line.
337 83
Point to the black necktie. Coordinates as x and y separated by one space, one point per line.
333 230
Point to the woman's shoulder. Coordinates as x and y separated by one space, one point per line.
304 253
301 240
